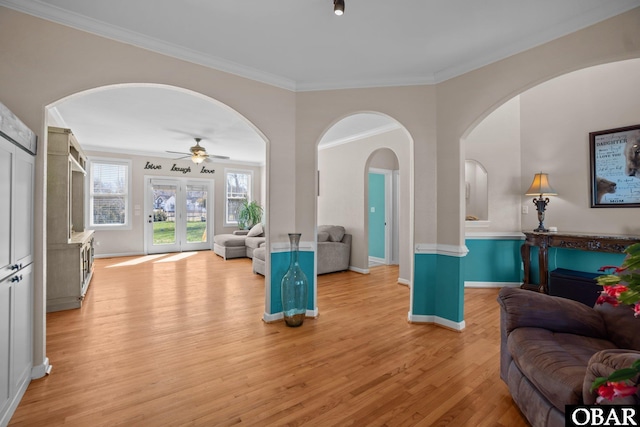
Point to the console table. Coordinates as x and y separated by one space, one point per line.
581 241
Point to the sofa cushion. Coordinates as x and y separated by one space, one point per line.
336 232
555 363
621 324
254 242
323 236
229 240
256 230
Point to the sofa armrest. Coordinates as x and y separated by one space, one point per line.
241 232
522 308
602 364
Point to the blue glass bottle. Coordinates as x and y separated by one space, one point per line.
294 287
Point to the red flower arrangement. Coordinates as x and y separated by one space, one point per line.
621 286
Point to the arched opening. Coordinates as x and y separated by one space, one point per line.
174 199
352 148
546 129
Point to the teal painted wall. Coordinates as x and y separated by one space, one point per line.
499 260
279 266
438 288
493 260
376 219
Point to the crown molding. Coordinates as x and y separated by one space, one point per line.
355 137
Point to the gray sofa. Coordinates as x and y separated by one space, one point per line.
239 244
552 348
334 251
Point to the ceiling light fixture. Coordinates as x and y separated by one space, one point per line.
197 158
338 7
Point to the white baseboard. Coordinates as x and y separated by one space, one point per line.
449 324
359 270
39 371
492 284
377 260
276 317
404 281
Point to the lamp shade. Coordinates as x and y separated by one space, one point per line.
195 158
540 186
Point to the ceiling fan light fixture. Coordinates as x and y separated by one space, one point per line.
197 158
338 7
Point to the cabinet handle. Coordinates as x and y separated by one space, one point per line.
16 266
15 279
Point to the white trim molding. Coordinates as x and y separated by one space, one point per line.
39 371
404 281
276 317
436 320
492 284
359 270
494 235
304 246
440 249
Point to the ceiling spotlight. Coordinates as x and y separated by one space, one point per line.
338 7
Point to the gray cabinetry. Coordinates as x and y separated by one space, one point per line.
69 245
17 146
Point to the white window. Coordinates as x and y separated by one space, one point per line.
109 189
238 188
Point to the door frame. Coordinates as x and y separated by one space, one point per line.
390 199
182 184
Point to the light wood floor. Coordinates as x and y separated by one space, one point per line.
182 343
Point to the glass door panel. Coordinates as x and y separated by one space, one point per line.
196 216
164 233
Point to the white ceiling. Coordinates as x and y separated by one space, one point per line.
298 45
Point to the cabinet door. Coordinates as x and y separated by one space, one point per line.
5 345
23 207
7 151
21 355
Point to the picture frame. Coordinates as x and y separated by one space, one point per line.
615 167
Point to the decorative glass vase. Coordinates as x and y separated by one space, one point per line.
294 287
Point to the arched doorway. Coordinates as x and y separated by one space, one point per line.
345 154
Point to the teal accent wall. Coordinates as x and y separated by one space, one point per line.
279 266
493 260
438 288
376 219
573 259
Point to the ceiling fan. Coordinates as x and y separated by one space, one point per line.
197 153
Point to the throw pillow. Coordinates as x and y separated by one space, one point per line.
256 231
323 236
336 232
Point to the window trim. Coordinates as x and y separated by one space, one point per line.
227 171
89 194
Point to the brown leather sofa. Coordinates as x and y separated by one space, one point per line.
553 348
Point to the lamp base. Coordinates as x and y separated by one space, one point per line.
540 230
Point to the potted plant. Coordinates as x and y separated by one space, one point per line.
249 214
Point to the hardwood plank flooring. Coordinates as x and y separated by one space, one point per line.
162 342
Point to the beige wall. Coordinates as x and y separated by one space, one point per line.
344 175
45 62
557 117
495 143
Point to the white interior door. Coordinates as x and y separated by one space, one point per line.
178 215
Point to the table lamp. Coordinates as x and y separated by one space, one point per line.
540 187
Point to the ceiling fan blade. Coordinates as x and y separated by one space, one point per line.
178 152
218 157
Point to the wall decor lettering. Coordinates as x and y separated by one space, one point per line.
615 167
205 170
150 165
175 168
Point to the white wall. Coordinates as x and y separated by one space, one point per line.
495 143
557 117
127 242
344 186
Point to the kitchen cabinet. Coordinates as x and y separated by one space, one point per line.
17 162
69 244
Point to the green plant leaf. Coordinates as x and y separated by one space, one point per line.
636 365
608 279
597 383
622 375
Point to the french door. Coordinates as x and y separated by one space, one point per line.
178 215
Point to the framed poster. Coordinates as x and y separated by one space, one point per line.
615 167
